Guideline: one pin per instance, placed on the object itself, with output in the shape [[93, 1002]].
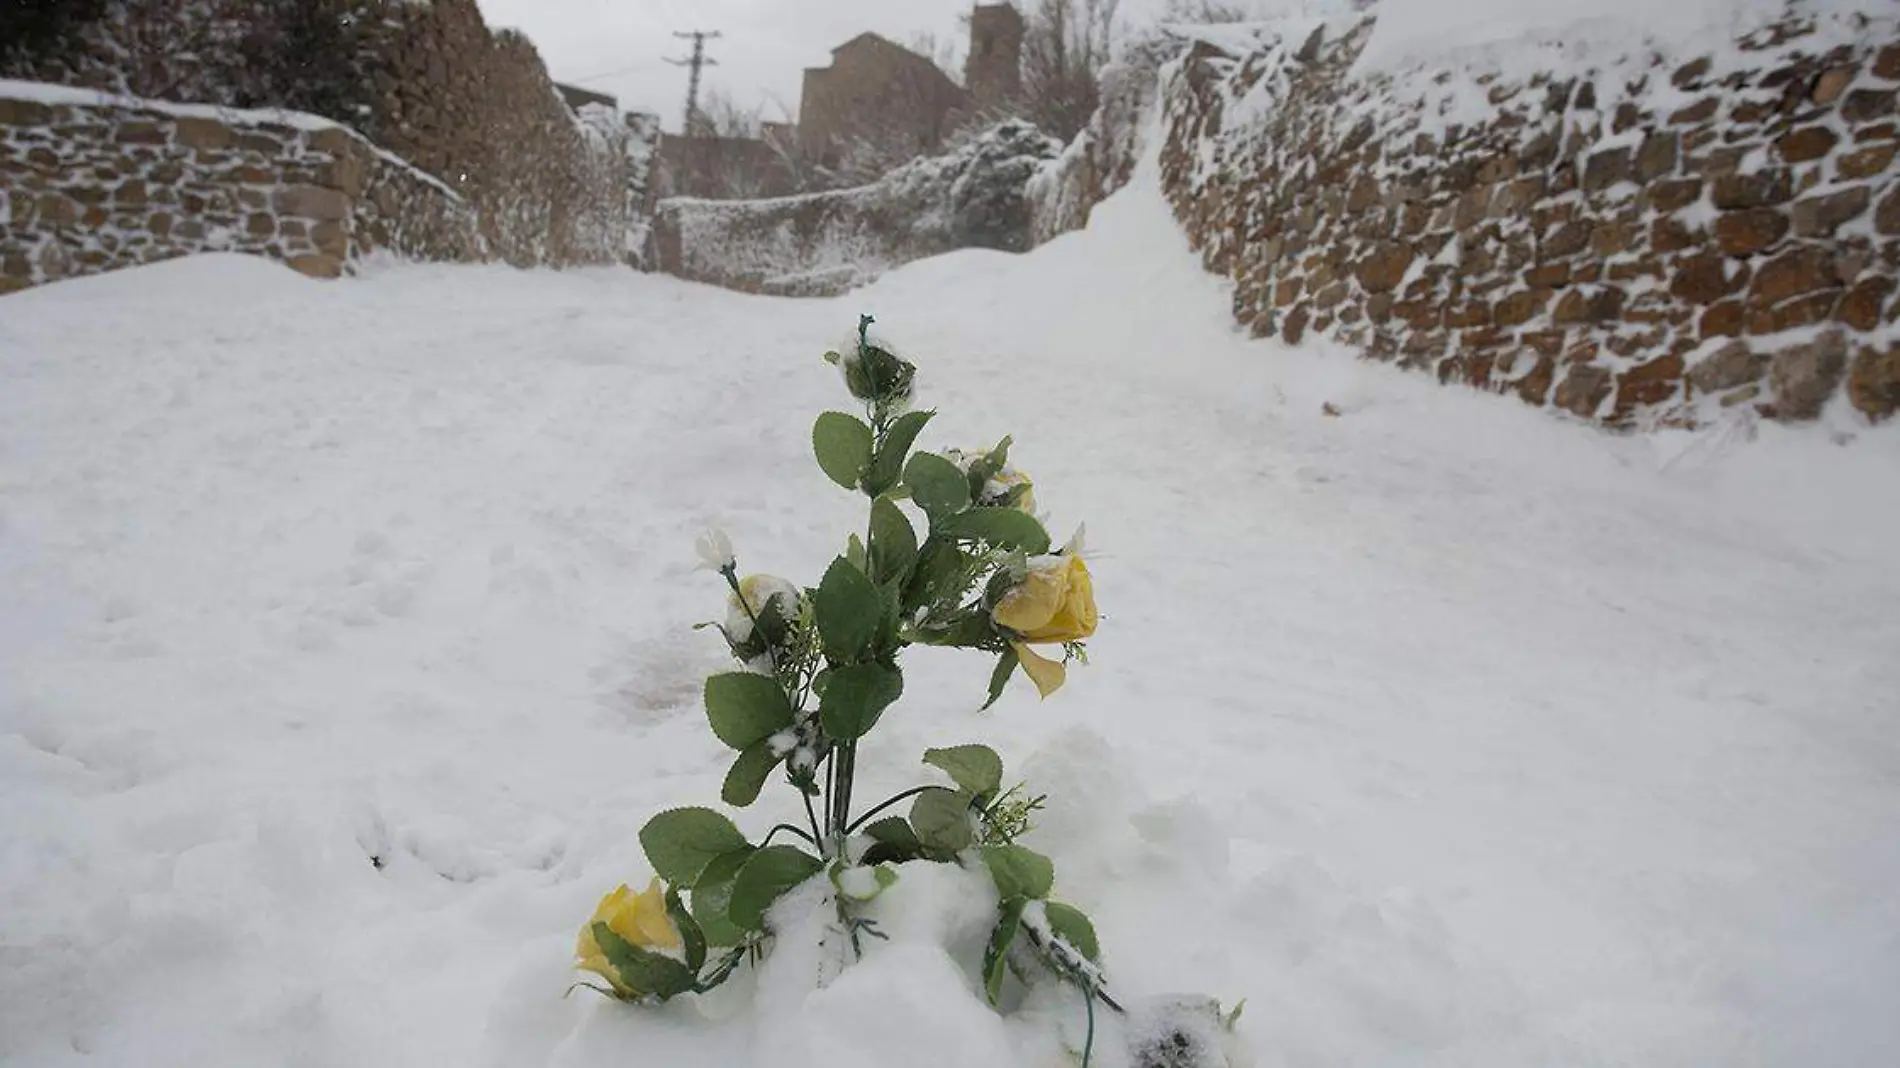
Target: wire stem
[[1088, 1045], [866, 818], [786, 827]]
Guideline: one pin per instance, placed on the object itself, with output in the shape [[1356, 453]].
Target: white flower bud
[[715, 550]]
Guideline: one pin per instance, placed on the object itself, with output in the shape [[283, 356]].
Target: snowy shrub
[[819, 667]]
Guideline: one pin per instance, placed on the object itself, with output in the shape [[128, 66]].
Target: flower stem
[[811, 817], [1088, 1044], [866, 818], [786, 827], [847, 771], [831, 793]]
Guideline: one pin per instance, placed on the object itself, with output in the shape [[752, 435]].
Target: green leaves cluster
[[733, 883]]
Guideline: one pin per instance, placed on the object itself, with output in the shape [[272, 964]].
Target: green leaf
[[938, 575], [892, 841], [745, 708], [854, 554], [641, 970], [941, 819], [692, 939], [892, 830], [937, 485], [893, 541], [986, 467], [1005, 667], [748, 774], [976, 768], [843, 445], [849, 610], [856, 696], [767, 874], [1073, 927], [996, 954], [1020, 872], [680, 842], [712, 898], [888, 465], [1006, 528]]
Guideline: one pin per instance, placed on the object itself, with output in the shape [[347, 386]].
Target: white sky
[[766, 47]]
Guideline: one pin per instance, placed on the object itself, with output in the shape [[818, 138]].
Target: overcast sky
[[620, 46]]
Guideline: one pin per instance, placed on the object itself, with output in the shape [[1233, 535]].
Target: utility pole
[[697, 60]]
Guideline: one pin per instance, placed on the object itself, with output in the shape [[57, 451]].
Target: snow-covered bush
[[819, 667], [825, 243]]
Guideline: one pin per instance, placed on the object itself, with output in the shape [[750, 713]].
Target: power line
[[698, 59], [617, 71]]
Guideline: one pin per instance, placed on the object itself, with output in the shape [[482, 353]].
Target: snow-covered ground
[[1443, 731]]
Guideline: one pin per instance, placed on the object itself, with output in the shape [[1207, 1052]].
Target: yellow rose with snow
[[759, 591], [1054, 603], [998, 487], [639, 919], [1004, 482]]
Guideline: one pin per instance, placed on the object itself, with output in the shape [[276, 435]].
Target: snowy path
[[1536, 746]]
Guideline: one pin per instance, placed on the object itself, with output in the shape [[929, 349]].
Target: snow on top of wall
[[70, 96], [1520, 37], [1444, 57], [1416, 33]]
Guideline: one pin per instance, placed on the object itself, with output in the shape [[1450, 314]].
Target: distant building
[[875, 95], [874, 88], [993, 71]]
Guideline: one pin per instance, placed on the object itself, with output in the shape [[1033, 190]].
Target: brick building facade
[[993, 71], [876, 89]]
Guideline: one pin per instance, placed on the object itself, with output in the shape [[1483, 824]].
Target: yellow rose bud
[[1055, 602], [1000, 484], [639, 919], [1008, 479], [758, 590]]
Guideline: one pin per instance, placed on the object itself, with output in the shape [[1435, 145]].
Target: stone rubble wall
[[426, 79], [477, 109], [1650, 242], [90, 182], [822, 244]]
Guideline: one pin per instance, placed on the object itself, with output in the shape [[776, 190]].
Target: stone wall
[[428, 81], [90, 182], [724, 168], [477, 109], [1657, 240], [826, 243]]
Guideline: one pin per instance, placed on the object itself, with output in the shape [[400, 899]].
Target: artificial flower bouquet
[[818, 669]]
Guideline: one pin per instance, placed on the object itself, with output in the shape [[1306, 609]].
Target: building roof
[[869, 40], [867, 37], [578, 98]]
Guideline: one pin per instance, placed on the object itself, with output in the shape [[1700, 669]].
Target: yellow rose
[[759, 591], [1055, 602], [1000, 484], [640, 919], [1008, 479]]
